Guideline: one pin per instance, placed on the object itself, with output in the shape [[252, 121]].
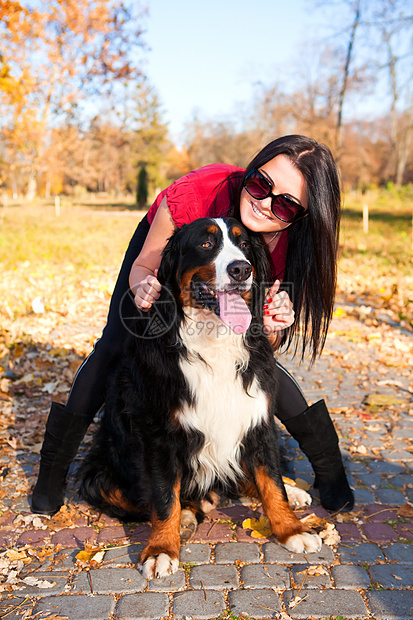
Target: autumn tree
[[51, 58]]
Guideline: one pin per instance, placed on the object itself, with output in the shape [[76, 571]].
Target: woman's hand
[[278, 310], [147, 292]]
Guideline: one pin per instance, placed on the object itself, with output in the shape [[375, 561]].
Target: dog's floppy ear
[[168, 272]]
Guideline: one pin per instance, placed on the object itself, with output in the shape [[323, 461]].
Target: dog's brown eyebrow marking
[[237, 231], [212, 229]]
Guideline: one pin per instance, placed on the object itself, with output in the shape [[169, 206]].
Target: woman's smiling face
[[285, 179]]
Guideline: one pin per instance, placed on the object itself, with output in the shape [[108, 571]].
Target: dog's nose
[[239, 270]]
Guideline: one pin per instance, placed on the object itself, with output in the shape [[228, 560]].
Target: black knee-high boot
[[64, 432], [315, 432]]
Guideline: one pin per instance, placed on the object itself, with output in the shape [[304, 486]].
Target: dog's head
[[215, 265]]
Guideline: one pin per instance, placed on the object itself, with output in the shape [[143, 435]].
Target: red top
[[207, 192]]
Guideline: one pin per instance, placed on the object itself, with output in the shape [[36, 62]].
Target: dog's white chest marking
[[223, 411]]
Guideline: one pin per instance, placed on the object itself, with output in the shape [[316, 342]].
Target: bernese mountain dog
[[191, 406]]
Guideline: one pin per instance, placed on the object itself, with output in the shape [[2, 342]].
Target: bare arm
[[142, 279]]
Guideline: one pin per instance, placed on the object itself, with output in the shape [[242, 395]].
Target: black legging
[[88, 391]]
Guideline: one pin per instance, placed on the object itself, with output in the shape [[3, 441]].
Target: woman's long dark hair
[[311, 264]]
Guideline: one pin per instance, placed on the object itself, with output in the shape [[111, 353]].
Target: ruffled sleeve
[[193, 196]]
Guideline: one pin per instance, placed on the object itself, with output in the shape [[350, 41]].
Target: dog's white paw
[[303, 543], [297, 498], [159, 566]]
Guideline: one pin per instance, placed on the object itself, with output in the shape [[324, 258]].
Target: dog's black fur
[[141, 454]]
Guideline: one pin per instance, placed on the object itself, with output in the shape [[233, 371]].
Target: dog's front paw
[[297, 498], [159, 566], [303, 543]]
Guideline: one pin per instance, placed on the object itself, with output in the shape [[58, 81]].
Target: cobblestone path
[[224, 572]]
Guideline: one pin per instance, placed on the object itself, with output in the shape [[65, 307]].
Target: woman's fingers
[[147, 292], [278, 309]]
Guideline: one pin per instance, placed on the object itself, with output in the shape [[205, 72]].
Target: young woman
[[289, 194]]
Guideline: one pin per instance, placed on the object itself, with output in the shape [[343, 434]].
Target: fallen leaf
[[406, 510], [302, 484], [314, 522], [330, 535], [90, 554], [38, 583], [317, 570], [260, 528], [383, 400]]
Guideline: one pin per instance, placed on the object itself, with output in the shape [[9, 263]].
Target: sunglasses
[[283, 207]]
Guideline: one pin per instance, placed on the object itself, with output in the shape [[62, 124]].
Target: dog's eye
[[243, 245], [207, 245]]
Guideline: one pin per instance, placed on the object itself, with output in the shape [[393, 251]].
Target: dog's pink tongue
[[234, 312]]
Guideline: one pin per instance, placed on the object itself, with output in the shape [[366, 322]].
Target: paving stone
[[35, 538], [347, 576], [303, 579], [363, 496], [236, 512], [370, 480], [214, 576], [121, 556], [356, 467], [397, 455], [386, 467], [145, 606], [140, 534], [254, 603], [390, 496], [403, 433], [170, 583], [116, 534], [213, 532], [349, 532], [233, 552], [324, 556], [74, 537], [58, 579], [80, 607], [108, 581], [20, 605], [195, 554], [302, 466], [196, 604], [405, 530], [392, 575], [399, 552], [379, 513], [391, 604], [326, 603], [7, 518], [275, 554], [62, 560], [6, 538], [265, 576], [401, 480], [359, 554], [379, 532]]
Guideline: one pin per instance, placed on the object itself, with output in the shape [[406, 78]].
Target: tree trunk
[[31, 187]]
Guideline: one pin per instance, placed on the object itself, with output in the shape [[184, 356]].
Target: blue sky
[[205, 57]]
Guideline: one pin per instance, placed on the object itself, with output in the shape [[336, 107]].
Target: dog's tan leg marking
[[115, 498], [285, 524], [160, 557]]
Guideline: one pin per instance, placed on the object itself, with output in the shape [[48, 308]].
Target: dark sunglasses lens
[[257, 186], [285, 209]]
